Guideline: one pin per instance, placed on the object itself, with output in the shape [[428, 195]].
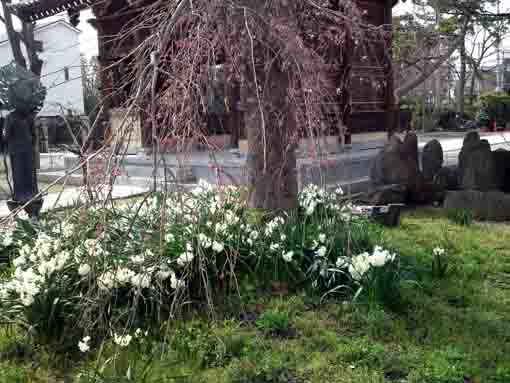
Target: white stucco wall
[[61, 49]]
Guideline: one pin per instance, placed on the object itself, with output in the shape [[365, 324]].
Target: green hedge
[[495, 107]]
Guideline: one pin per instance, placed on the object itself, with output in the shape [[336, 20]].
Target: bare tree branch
[[407, 87]]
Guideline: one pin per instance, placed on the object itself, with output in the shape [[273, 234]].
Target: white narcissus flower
[[380, 257], [359, 266], [25, 250], [164, 274], [7, 239], [321, 252], [138, 258], [204, 241], [221, 228], [83, 345], [122, 340], [139, 333], [287, 257], [322, 238], [283, 237], [218, 247], [176, 283], [68, 230], [185, 258], [341, 263], [21, 260], [106, 281], [169, 237], [141, 281], [438, 251], [123, 276], [26, 283], [362, 263], [311, 208], [231, 218], [274, 247], [84, 269]]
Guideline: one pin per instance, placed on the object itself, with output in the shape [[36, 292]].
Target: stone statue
[[25, 97]]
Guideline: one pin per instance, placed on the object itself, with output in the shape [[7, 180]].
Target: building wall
[[61, 72]]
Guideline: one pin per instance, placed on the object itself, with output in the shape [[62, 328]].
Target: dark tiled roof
[[33, 10]]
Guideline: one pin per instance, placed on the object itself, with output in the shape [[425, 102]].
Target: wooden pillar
[[390, 103], [346, 98]]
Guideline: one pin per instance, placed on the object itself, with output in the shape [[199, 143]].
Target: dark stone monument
[[501, 159], [396, 163], [25, 96], [488, 205], [476, 164], [447, 179], [432, 159]]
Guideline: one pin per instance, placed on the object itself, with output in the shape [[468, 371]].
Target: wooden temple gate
[[368, 102]]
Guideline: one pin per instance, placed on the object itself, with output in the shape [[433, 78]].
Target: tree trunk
[[462, 80], [472, 86], [271, 160], [270, 123]]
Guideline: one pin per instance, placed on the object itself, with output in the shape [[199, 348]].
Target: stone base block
[[489, 205]]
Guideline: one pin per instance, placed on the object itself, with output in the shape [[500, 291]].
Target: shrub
[[496, 106], [101, 273], [274, 322]]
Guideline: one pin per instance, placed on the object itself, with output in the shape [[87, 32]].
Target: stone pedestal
[[125, 129], [489, 205]]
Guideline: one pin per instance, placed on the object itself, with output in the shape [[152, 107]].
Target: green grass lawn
[[454, 329]]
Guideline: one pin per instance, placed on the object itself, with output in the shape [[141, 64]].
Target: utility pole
[[498, 57]]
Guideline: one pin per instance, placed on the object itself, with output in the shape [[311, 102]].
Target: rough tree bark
[[271, 157], [271, 160]]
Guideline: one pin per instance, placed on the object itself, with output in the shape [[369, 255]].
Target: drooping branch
[[283, 54]]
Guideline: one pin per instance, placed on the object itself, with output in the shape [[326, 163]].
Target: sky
[[88, 37]]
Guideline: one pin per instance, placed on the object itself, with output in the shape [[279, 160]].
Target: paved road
[[75, 196], [350, 166]]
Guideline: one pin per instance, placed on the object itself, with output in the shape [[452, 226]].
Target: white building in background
[[61, 71]]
